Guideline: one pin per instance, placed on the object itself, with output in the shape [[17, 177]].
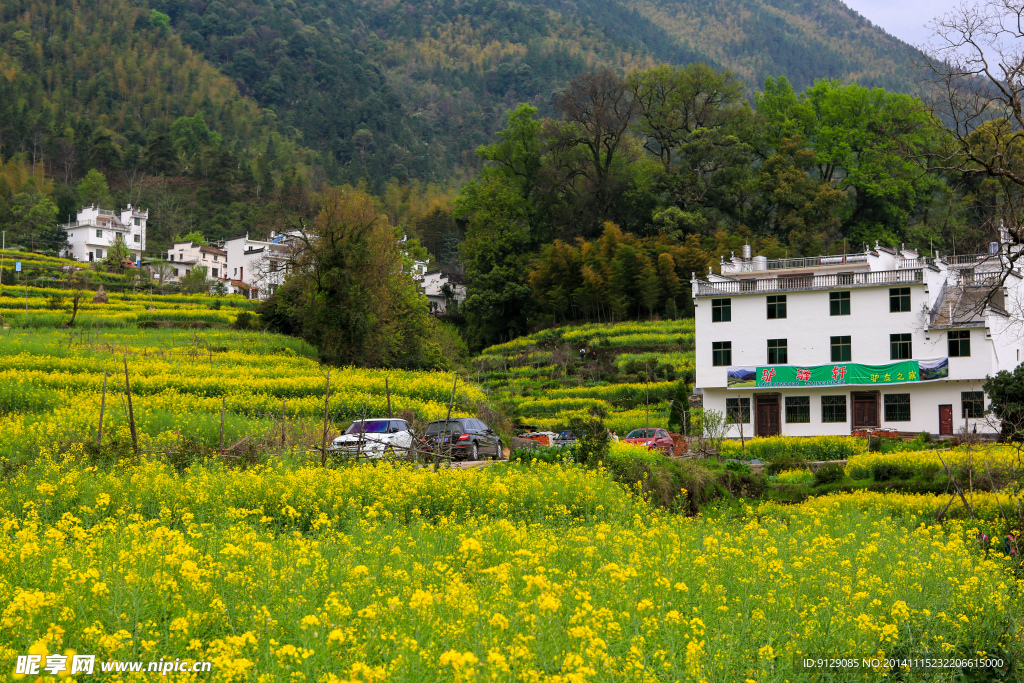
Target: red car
[[653, 438]]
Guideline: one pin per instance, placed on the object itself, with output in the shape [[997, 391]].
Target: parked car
[[565, 438], [653, 438], [467, 437], [375, 438]]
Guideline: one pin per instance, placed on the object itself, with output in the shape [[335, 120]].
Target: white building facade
[[184, 257], [91, 236], [831, 345], [258, 267], [442, 290]]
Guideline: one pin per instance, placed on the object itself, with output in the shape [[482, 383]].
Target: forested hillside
[[408, 90]]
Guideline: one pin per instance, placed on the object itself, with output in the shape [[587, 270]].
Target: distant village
[[241, 265]]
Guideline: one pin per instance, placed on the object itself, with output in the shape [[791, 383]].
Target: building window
[[137, 221], [272, 266], [840, 349], [175, 272], [204, 256], [737, 410], [972, 404], [99, 233], [215, 272], [721, 310], [833, 408], [721, 353], [959, 343], [900, 347], [899, 299], [897, 407], [776, 306], [236, 271], [99, 253], [798, 409], [172, 258], [138, 239], [839, 303], [777, 353]]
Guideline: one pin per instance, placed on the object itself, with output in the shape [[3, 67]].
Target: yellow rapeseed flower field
[[51, 384], [545, 573], [980, 461]]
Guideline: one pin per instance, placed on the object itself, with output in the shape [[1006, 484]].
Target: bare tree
[[975, 87]]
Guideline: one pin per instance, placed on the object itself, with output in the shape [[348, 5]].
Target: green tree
[[118, 253], [697, 122], [1006, 391], [679, 417], [35, 223], [349, 293], [498, 244], [195, 237], [195, 280], [93, 189]]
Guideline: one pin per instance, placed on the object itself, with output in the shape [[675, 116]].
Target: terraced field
[[637, 369]]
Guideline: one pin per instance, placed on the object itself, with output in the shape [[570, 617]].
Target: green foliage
[[118, 253], [829, 474], [679, 416], [1006, 391], [93, 190], [349, 294], [592, 440], [195, 237], [887, 471]]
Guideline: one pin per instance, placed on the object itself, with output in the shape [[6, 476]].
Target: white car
[[375, 438]]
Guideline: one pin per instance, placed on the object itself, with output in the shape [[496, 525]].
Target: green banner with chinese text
[[837, 374]]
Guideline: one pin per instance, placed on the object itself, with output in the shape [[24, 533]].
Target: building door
[[946, 420], [767, 416], [865, 409]]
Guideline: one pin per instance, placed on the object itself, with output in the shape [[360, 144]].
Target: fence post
[[103, 405], [131, 413], [282, 424], [327, 407]]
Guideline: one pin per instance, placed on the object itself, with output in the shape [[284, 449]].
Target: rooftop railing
[[94, 224], [806, 282], [969, 260]]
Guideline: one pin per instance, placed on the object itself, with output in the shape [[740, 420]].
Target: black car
[[467, 437]]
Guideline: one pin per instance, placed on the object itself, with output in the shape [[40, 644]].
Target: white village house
[[441, 289], [184, 257], [91, 236], [257, 267], [882, 339]]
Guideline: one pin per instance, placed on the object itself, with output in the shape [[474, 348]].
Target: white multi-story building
[[186, 256], [258, 267], [883, 339], [96, 230], [442, 289]]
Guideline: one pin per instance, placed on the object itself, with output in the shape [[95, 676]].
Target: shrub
[[829, 474], [886, 471], [787, 461], [243, 321]]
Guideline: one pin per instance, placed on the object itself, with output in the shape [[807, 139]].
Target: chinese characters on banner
[[837, 374]]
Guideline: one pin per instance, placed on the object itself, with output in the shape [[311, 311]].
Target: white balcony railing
[[93, 224], [801, 282], [969, 260]]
